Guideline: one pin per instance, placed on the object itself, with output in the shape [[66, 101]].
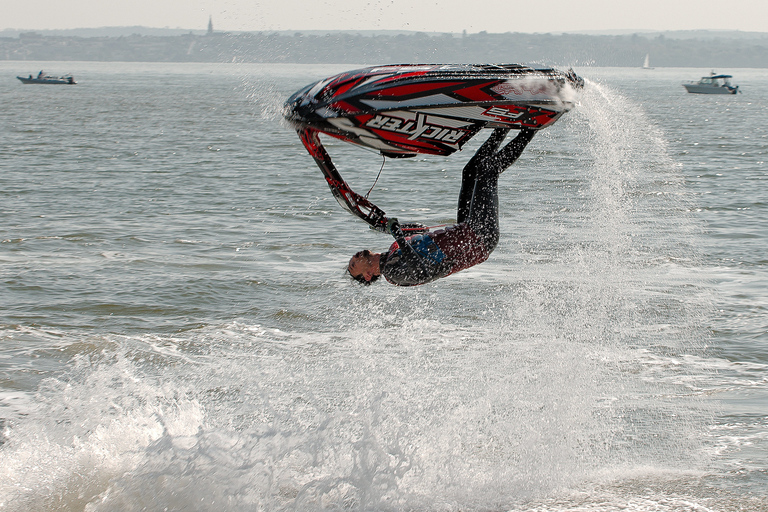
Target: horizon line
[[577, 31]]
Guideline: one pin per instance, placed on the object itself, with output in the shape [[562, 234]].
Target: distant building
[[210, 25]]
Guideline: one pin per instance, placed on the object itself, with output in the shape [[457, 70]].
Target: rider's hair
[[360, 279]]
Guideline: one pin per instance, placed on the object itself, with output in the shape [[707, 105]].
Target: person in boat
[[41, 74], [425, 257]]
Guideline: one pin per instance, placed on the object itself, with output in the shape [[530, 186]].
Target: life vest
[[453, 248], [461, 246]]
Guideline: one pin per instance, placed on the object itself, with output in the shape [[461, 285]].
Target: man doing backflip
[[428, 256]]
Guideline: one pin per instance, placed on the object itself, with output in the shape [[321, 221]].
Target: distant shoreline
[[152, 31], [716, 49]]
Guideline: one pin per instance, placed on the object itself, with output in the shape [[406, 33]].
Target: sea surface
[[177, 331]]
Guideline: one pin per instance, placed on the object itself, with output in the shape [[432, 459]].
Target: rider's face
[[362, 265]]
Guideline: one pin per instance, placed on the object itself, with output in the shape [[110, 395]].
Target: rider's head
[[364, 267]]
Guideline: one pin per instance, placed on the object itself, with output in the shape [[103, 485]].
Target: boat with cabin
[[712, 84], [42, 78]]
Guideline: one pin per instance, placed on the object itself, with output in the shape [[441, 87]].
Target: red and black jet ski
[[404, 110]]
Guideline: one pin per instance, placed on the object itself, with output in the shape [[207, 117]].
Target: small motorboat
[[42, 78], [712, 84]]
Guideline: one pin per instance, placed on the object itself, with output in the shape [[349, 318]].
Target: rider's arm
[[512, 151], [407, 267]]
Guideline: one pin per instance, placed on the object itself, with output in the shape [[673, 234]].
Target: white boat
[[712, 84], [647, 62]]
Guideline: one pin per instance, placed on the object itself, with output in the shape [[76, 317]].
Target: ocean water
[[177, 333]]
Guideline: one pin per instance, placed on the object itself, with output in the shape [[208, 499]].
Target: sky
[[455, 16]]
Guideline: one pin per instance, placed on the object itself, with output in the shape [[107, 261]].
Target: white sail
[[647, 62]]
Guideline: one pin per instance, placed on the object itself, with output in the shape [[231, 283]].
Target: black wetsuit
[[425, 257]]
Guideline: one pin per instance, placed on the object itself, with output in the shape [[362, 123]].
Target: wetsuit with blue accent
[[422, 258]]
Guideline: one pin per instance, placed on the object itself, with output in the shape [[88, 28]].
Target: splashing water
[[570, 372]]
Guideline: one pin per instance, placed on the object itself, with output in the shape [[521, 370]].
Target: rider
[[422, 258]]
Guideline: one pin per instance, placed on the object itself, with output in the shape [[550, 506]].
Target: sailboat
[[647, 62]]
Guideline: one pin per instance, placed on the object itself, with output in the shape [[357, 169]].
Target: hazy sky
[[421, 15]]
